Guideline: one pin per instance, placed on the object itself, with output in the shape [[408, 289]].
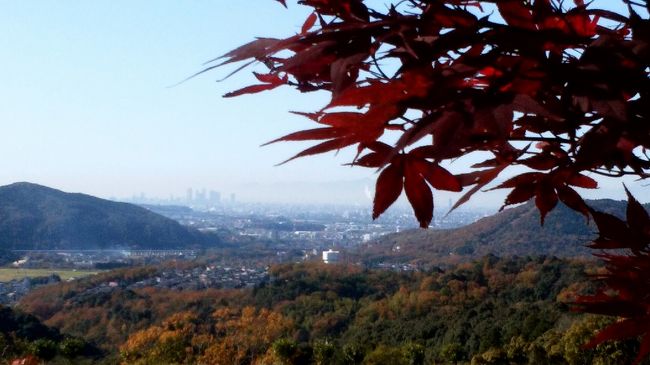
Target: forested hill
[[515, 231], [489, 311], [37, 217]]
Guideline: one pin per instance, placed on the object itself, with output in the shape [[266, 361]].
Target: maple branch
[[541, 139], [407, 120], [630, 2], [608, 173], [374, 60]]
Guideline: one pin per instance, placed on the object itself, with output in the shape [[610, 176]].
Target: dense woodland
[[489, 311]]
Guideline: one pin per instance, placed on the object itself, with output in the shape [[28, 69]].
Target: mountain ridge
[[33, 216], [512, 232]]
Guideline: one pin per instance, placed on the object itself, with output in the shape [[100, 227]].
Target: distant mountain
[[37, 217], [515, 231]]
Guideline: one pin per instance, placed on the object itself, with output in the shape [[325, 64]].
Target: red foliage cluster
[[626, 289], [559, 89]]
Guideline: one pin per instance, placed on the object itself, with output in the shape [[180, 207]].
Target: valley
[[385, 300]]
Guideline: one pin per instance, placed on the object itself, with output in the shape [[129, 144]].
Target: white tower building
[[331, 256]]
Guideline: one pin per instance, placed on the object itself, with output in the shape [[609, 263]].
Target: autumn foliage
[[476, 312], [558, 89]]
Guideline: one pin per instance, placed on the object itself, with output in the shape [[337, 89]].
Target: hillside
[[488, 311], [24, 336], [515, 231], [38, 217]]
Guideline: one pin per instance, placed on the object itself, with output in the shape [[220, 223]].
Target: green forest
[[489, 311]]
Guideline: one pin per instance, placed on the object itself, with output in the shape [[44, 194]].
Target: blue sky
[[85, 103]]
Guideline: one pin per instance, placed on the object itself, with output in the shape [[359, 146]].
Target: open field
[[8, 274]]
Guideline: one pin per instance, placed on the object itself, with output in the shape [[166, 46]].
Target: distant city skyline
[[361, 192]]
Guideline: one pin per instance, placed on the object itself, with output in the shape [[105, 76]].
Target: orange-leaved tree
[[557, 88]]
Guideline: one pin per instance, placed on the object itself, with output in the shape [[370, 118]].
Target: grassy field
[[8, 274]]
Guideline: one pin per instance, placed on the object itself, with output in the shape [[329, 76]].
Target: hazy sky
[[85, 104]]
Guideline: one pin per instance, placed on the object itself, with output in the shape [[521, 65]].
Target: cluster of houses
[[12, 291], [196, 278], [210, 276]]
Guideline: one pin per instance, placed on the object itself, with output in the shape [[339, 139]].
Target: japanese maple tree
[[558, 88]]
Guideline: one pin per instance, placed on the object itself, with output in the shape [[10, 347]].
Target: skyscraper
[[215, 197]]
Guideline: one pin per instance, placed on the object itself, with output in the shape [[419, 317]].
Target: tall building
[[330, 256], [190, 196], [215, 197], [199, 197]]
